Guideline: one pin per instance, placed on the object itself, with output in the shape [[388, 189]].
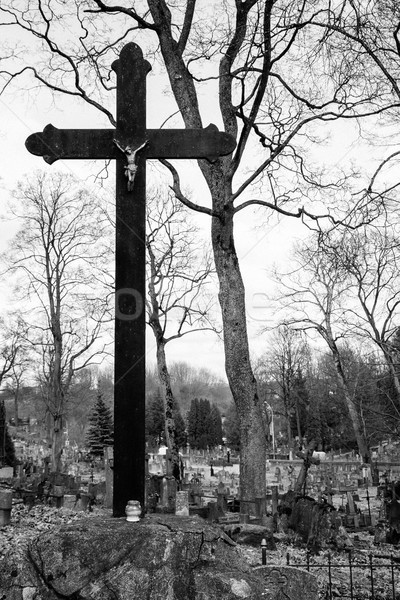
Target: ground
[[27, 524]]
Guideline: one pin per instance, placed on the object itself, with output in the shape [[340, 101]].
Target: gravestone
[[6, 473], [288, 583], [182, 503], [351, 510], [69, 501], [5, 507], [278, 475], [168, 493]]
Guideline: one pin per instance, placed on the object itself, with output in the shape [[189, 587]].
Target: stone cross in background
[[307, 456], [130, 144]]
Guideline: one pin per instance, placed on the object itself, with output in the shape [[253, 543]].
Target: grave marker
[[130, 144], [288, 583], [182, 503]]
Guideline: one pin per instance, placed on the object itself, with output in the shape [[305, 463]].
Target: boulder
[[101, 558]]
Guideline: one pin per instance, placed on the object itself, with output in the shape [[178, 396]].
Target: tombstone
[[221, 489], [6, 473], [222, 503], [58, 493], [278, 475], [350, 507], [5, 507], [168, 494], [84, 502], [195, 493], [182, 504], [351, 510], [288, 583], [69, 501]]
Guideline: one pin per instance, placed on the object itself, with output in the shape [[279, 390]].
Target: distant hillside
[[189, 383]]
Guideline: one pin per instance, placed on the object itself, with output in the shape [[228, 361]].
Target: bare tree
[[177, 304], [54, 259], [372, 259], [284, 71], [12, 341], [19, 374], [369, 33], [278, 370], [316, 299]]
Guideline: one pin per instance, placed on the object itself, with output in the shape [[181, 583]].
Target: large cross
[[127, 145]]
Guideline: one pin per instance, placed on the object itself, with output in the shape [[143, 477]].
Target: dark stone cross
[[130, 144], [308, 459]]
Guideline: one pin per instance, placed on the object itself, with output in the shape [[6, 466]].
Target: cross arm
[[53, 143]]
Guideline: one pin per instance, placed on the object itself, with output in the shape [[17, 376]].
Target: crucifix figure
[[132, 159], [130, 144]]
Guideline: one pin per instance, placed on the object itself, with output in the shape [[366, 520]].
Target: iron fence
[[359, 576]]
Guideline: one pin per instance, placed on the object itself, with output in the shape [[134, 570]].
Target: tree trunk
[[289, 431], [237, 363], [57, 444], [231, 289], [16, 405], [169, 406], [298, 419], [162, 368], [2, 434], [57, 398], [362, 443]]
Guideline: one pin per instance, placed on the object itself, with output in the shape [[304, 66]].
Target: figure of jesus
[[133, 159]]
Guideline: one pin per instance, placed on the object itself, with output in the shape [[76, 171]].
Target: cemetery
[[128, 518], [357, 532]]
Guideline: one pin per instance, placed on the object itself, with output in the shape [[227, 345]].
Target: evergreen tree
[[101, 430], [203, 439], [155, 421], [216, 427], [180, 429], [193, 423], [204, 424], [11, 459]]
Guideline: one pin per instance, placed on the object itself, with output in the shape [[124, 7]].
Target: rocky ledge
[[160, 557]]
